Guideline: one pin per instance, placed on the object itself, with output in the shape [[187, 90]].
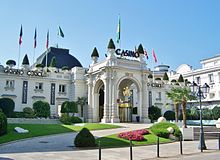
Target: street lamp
[[201, 93]]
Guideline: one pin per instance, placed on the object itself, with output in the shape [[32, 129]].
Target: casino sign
[[127, 53]]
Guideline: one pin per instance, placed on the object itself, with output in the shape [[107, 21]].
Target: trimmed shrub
[[207, 114], [84, 139], [169, 115], [3, 124], [41, 109], [28, 112], [69, 107], [216, 112], [160, 129], [75, 119], [154, 113], [194, 113], [65, 119], [18, 115], [7, 105]]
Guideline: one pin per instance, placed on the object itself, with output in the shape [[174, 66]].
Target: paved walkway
[[67, 152], [60, 142]]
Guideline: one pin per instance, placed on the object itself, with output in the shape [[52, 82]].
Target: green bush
[[7, 105], [216, 112], [169, 115], [193, 113], [160, 129], [154, 113], [75, 119], [69, 107], [28, 112], [18, 114], [84, 139], [41, 109], [65, 119], [207, 114], [3, 124]]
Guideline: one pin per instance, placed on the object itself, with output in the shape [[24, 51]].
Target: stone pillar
[[105, 118], [90, 110], [114, 113], [95, 107], [144, 116]]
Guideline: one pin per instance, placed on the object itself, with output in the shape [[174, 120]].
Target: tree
[[154, 113], [69, 107], [7, 105], [81, 101], [174, 96], [184, 95]]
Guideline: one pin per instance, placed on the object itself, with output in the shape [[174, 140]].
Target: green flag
[[118, 31], [60, 32]]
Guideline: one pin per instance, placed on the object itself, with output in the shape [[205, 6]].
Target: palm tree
[[174, 96], [184, 95], [81, 101]]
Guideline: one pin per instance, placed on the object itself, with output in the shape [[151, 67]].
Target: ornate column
[[144, 116], [114, 113], [90, 110], [105, 118]]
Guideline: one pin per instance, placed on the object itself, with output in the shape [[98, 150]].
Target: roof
[[63, 58], [217, 56]]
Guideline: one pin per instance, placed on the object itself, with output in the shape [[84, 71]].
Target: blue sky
[[179, 31]]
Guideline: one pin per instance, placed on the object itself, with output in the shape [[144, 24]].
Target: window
[[62, 88], [38, 86], [211, 78], [10, 83], [159, 96], [198, 80]]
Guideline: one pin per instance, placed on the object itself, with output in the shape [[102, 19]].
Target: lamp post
[[201, 93]]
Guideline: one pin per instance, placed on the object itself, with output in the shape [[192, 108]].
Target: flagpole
[[33, 57], [19, 52]]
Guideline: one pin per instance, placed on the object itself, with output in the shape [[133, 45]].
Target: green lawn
[[47, 129], [115, 141]]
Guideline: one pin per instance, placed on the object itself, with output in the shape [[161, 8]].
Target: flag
[[119, 31], [60, 32], [35, 38], [154, 56], [145, 53], [20, 37], [47, 43]]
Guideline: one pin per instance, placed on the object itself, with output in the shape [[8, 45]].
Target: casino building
[[119, 88]]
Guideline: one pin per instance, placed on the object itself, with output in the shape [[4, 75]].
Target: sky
[[178, 31]]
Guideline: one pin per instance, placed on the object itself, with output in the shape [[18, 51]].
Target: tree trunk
[[184, 113], [176, 111]]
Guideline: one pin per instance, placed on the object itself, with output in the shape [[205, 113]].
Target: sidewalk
[[60, 147], [167, 151]]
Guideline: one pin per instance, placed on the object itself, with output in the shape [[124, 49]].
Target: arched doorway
[[98, 101], [101, 103], [128, 102]]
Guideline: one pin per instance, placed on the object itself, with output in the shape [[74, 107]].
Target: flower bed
[[136, 135]]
